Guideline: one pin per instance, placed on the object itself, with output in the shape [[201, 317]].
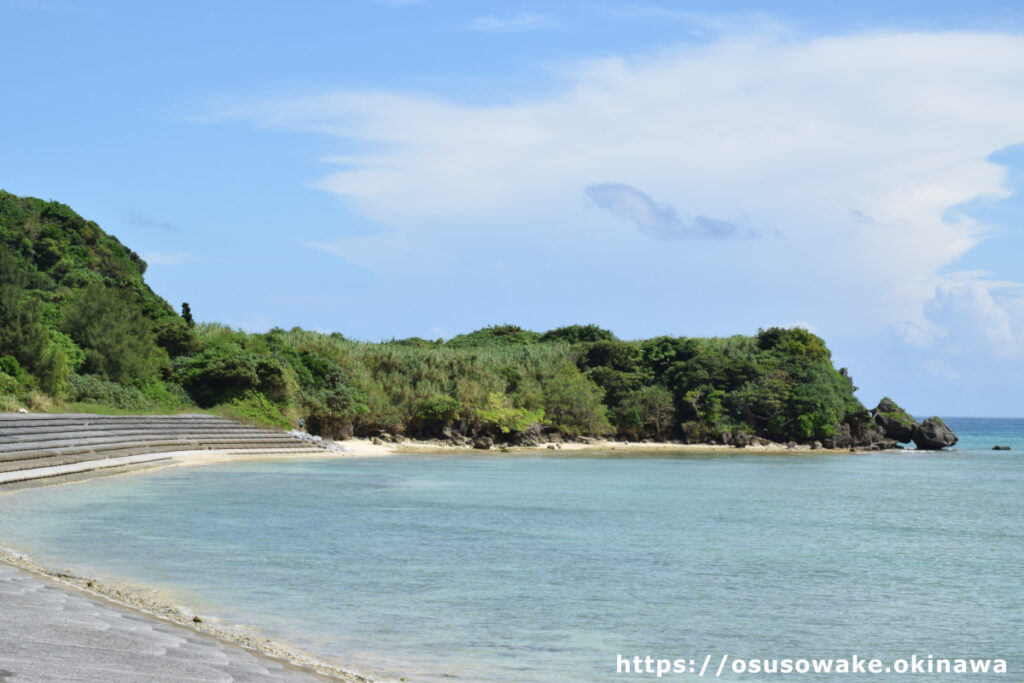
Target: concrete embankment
[[46, 448]]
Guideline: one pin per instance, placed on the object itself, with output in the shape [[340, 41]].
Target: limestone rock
[[895, 423], [841, 439], [529, 437], [934, 434]]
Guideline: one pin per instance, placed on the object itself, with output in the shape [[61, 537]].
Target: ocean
[[560, 567]]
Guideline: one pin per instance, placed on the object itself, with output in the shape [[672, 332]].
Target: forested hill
[[79, 328]]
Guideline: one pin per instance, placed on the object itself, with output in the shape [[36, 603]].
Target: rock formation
[[933, 434], [895, 423]]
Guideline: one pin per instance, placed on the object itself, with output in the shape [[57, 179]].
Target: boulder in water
[[933, 434]]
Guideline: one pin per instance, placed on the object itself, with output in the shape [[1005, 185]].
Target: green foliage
[[436, 413], [256, 409], [220, 373], [24, 335], [496, 335], [176, 337], [117, 339], [646, 412], [577, 334], [78, 321], [898, 414], [94, 389], [573, 404], [499, 413]]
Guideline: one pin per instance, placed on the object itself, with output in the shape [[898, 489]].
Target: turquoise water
[[536, 568]]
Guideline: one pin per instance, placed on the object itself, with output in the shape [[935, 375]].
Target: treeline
[[80, 328]]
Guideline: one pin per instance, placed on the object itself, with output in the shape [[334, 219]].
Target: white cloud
[[519, 22], [167, 258], [854, 148], [972, 316]]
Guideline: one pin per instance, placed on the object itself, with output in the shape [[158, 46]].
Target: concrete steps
[[36, 446]]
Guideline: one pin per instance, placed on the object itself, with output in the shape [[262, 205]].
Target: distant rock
[[483, 443], [742, 439], [869, 435], [529, 437], [895, 423], [1000, 448], [841, 439], [933, 434]]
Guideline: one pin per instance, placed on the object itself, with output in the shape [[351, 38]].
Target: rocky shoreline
[[886, 427]]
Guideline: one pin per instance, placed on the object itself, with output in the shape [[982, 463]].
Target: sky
[[397, 168]]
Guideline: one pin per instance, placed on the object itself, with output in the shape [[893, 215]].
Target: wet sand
[[54, 632]]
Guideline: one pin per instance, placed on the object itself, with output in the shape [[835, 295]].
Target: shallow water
[[541, 568]]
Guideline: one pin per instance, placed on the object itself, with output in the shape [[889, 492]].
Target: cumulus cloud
[[657, 220], [973, 315], [854, 147]]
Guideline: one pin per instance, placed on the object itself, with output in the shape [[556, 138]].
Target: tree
[[118, 341], [22, 334], [648, 411], [186, 314]]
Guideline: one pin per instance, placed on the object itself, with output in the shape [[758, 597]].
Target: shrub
[[95, 389], [256, 409]]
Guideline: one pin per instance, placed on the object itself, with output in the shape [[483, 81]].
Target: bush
[[572, 403], [499, 415], [646, 412], [94, 389], [256, 409]]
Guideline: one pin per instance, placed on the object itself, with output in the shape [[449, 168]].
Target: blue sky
[[390, 169]]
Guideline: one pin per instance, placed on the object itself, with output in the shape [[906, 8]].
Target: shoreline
[[136, 601]]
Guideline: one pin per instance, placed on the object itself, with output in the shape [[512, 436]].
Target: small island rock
[[933, 434]]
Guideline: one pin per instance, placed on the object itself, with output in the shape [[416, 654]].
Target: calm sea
[[537, 568]]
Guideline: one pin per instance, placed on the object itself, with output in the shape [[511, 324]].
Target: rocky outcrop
[[530, 437], [894, 422], [1000, 448], [483, 443], [933, 434], [841, 439]]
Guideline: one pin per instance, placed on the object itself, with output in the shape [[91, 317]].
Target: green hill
[[81, 329]]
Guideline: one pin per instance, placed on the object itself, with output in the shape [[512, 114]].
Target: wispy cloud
[[658, 220], [511, 24], [143, 221]]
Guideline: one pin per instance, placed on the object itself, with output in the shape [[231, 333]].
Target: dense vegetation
[[80, 328]]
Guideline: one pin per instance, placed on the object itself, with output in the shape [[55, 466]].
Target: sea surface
[[534, 568]]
